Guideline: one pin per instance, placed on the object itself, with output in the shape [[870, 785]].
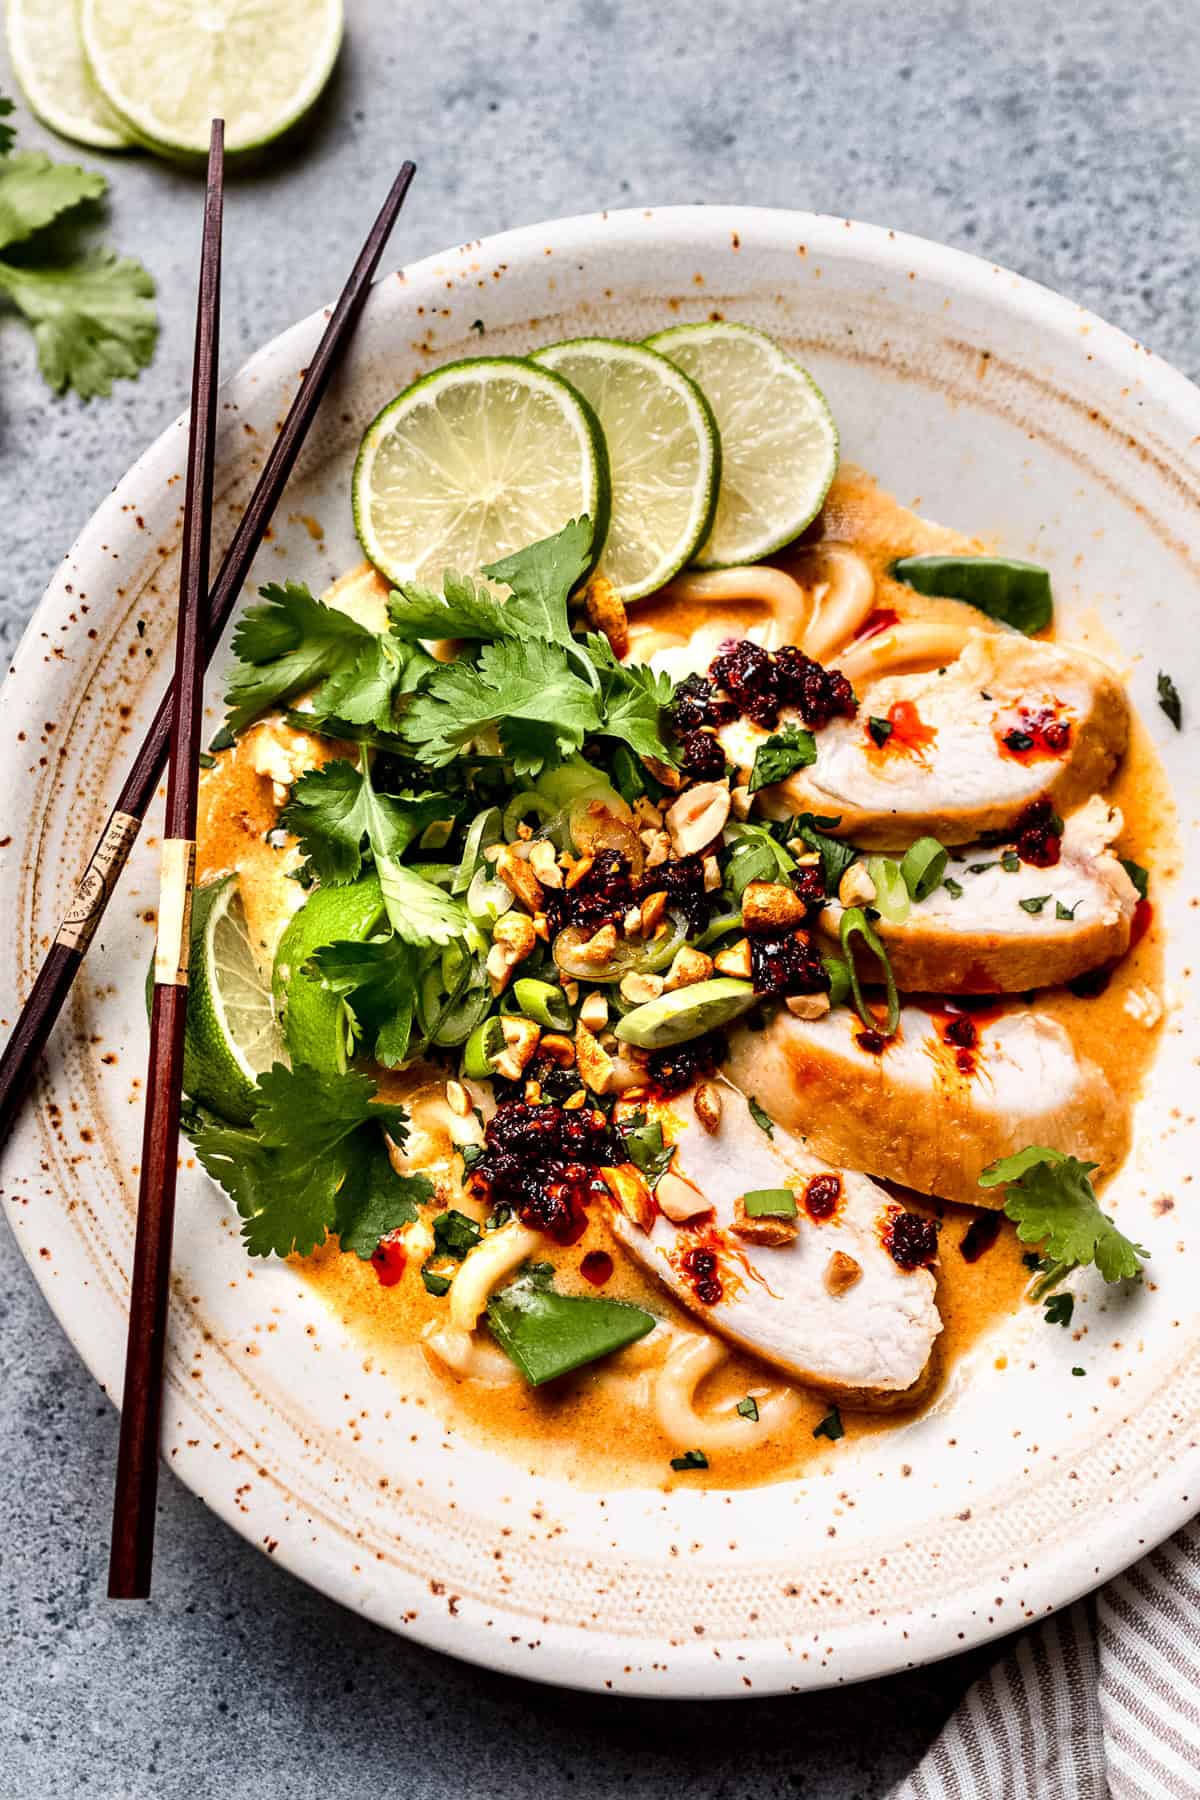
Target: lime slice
[[169, 69], [779, 444], [664, 457], [48, 61], [231, 1035], [474, 462], [313, 1018]]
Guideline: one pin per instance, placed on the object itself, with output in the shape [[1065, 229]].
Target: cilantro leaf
[[1140, 877], [461, 610], [633, 697], [1060, 1309], [334, 810], [289, 643], [308, 1163], [379, 980], [512, 687], [761, 1117], [1051, 1200], [830, 1426], [454, 1234], [757, 856], [781, 755], [836, 856], [542, 576], [647, 1148], [363, 692], [691, 1459], [381, 1201], [35, 191], [92, 319]]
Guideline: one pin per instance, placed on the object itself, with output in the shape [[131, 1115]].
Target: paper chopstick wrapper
[[175, 912]]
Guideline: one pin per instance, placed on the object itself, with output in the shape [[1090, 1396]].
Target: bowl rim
[[1110, 1544]]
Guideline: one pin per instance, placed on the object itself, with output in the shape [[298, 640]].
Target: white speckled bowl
[[986, 402]]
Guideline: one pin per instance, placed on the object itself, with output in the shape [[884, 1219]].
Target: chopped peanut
[[544, 863], [661, 771], [646, 813], [657, 852], [706, 1104], [606, 612], [698, 817], [578, 870], [631, 924], [679, 1199], [519, 879], [771, 907], [599, 947], [631, 1191], [807, 1006], [771, 1232], [595, 1064], [653, 908], [558, 1048], [712, 874], [520, 1041], [571, 990], [735, 961], [741, 800], [640, 988], [841, 1273], [856, 887], [458, 1100], [516, 933], [574, 1101], [690, 965], [594, 1011]]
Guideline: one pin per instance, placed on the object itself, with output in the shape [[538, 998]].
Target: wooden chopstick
[[40, 1011], [137, 1457]]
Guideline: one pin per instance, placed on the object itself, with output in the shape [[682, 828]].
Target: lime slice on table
[[664, 457], [169, 69], [474, 462], [779, 444], [231, 1035], [313, 1018], [48, 61]]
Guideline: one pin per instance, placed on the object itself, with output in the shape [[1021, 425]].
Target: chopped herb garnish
[[1168, 699], [1010, 862], [1140, 877], [1034, 903], [206, 761], [748, 1408], [762, 1119], [1031, 1259], [770, 1203], [547, 1334], [1050, 1199], [691, 1459], [224, 740], [479, 326], [438, 1285], [1016, 592], [1079, 1371], [470, 1154], [978, 868], [813, 830], [783, 753], [1059, 1309], [953, 888], [831, 1426], [1064, 912], [880, 730], [647, 1149], [1018, 740], [454, 1234]]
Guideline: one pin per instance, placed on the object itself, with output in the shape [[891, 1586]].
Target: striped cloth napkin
[[1101, 1700]]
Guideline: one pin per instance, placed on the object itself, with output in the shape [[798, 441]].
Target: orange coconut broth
[[572, 1428]]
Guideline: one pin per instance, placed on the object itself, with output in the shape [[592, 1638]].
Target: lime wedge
[[664, 457], [169, 69], [313, 1018], [48, 61], [231, 1035], [474, 462], [779, 445]]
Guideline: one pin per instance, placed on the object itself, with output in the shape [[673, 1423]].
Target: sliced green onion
[[839, 978], [856, 924], [660, 952], [542, 1001], [769, 1203], [923, 867], [436, 834], [891, 891], [483, 831], [517, 811], [487, 897], [718, 927]]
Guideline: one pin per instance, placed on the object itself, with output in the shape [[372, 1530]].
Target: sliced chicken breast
[[962, 750], [828, 1303], [933, 1108], [1005, 929]]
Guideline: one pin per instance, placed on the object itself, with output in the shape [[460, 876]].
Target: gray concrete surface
[[1063, 141]]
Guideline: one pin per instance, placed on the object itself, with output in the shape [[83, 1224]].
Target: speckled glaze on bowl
[[977, 397]]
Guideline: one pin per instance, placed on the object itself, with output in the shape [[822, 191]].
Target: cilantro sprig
[[313, 1160], [91, 312], [1051, 1200]]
